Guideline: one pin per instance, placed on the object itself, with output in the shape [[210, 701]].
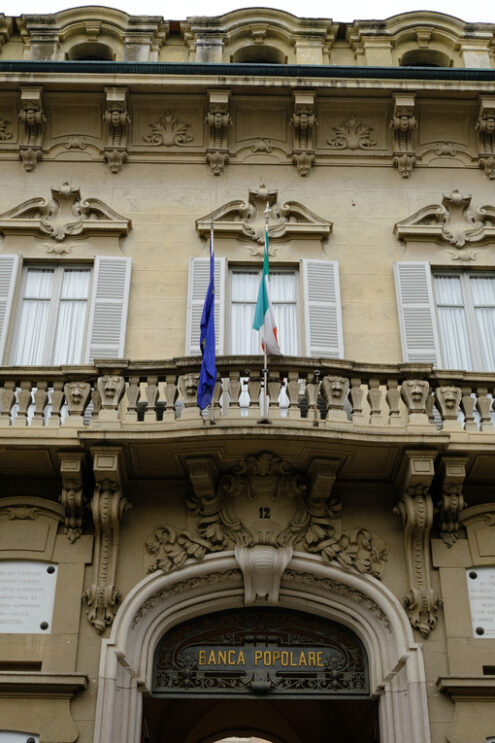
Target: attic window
[[259, 54], [425, 58], [91, 52]]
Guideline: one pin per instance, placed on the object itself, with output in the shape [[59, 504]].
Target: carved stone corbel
[[303, 123], [485, 126], [451, 502], [117, 119], [107, 507], [416, 511], [32, 117], [403, 124], [218, 120], [72, 495]]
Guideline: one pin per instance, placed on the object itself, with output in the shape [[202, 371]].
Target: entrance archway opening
[[260, 674]]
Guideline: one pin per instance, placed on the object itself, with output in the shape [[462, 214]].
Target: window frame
[[258, 267], [473, 339], [53, 314]]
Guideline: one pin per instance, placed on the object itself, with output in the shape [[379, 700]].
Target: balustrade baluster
[[274, 389], [467, 406], [8, 400], [24, 400], [483, 405], [234, 393], [133, 394], [356, 394], [151, 399], [56, 403], [312, 391], [254, 389], [393, 400], [292, 390], [170, 398], [374, 397], [40, 396]]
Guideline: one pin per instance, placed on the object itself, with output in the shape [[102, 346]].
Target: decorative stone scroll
[[117, 120], [65, 214], [218, 121], [72, 496], [246, 220], [263, 504], [303, 123], [403, 124], [485, 126], [168, 131], [260, 651], [453, 222], [33, 118], [451, 502], [352, 134], [107, 507], [416, 511]]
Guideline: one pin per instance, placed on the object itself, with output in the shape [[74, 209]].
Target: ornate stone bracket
[[246, 220], [116, 118], [218, 120], [264, 507], [33, 119], [65, 214], [403, 124], [107, 507], [485, 126], [416, 511], [303, 123], [451, 502], [72, 496], [453, 222]]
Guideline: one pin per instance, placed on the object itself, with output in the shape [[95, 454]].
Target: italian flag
[[264, 318]]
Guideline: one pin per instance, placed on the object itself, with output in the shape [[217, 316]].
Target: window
[[306, 297], [447, 319], [52, 316], [466, 320], [244, 286], [63, 313]]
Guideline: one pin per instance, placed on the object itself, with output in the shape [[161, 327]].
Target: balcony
[[325, 407]]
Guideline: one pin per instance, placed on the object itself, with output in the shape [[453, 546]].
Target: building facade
[[313, 557]]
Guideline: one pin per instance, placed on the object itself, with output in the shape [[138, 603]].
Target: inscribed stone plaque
[[27, 595], [481, 589]]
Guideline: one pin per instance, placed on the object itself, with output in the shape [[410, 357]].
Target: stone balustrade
[[308, 392]]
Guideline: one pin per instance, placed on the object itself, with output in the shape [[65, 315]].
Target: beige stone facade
[[358, 487]]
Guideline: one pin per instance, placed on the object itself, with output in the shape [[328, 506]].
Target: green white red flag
[[264, 317]]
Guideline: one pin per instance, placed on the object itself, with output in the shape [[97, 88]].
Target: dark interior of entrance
[[278, 721]]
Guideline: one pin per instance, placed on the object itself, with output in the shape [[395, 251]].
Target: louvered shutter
[[199, 278], [9, 267], [322, 309], [108, 308], [417, 318]]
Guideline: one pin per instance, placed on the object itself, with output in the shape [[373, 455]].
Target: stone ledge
[[467, 687], [37, 684]]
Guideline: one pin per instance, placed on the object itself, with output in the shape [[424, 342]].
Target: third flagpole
[[265, 368]]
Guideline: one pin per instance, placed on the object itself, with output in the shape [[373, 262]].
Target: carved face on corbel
[[188, 384], [335, 389], [415, 392], [111, 388], [77, 395]]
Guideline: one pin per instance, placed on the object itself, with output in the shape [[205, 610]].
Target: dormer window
[[425, 58], [91, 52], [259, 54]]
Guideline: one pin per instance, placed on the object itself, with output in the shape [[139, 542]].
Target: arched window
[[91, 51], [259, 54], [425, 58]]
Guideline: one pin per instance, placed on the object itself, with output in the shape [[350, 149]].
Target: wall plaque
[[27, 595], [8, 736], [260, 651], [481, 589]]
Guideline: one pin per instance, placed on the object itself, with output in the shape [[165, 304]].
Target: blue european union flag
[[208, 375]]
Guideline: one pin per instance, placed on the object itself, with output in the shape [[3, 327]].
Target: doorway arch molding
[[360, 602]]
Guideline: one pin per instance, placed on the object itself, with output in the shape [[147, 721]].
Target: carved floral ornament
[[453, 221], [246, 219], [263, 500], [65, 214]]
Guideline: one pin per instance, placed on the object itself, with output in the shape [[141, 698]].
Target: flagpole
[[265, 369]]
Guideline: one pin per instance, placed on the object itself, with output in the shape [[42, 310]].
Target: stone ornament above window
[[241, 219], [453, 221], [65, 214]]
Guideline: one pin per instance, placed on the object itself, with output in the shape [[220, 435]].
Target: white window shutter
[[417, 318], [108, 308], [9, 268], [199, 278], [322, 309]]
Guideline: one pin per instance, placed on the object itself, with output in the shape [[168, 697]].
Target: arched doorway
[[358, 602], [268, 672]]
